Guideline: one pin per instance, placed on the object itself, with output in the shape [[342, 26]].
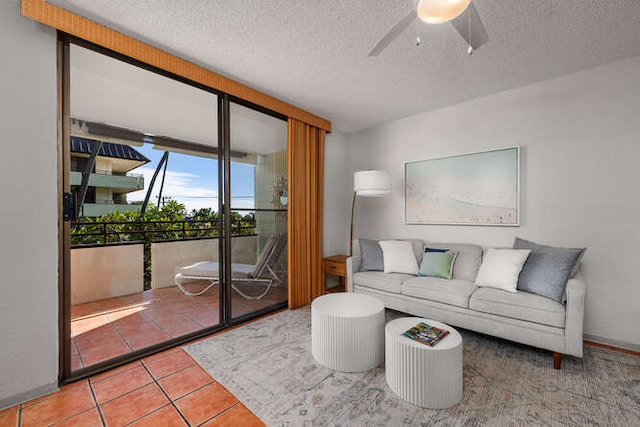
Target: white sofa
[[521, 317]]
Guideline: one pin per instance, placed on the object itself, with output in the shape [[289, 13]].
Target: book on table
[[426, 334]]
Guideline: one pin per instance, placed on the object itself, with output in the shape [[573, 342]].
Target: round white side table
[[347, 331], [429, 377]]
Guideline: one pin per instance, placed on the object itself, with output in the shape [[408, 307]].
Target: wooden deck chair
[[261, 272]]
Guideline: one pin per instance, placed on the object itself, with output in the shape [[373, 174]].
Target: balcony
[[123, 294], [110, 327], [129, 182]]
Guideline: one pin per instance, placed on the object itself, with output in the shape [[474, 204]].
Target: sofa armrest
[[574, 317], [353, 265]]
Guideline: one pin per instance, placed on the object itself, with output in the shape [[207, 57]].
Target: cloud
[[183, 187]]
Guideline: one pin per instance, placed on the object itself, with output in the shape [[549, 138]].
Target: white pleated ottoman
[[429, 377], [347, 331]]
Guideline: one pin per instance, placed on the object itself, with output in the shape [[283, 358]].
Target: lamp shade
[[371, 183], [439, 11]]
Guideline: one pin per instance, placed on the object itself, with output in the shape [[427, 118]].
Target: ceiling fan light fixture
[[439, 11]]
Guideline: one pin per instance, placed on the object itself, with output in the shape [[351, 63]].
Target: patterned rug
[[269, 367]]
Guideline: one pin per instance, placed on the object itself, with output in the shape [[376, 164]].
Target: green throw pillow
[[437, 264]]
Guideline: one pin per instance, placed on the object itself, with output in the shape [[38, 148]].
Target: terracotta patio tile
[[174, 362], [114, 371], [110, 304], [74, 347], [205, 403], [133, 318], [161, 355], [74, 385], [9, 417], [133, 405], [184, 327], [171, 318], [237, 415], [89, 418], [121, 383], [167, 416], [88, 324], [76, 363], [97, 354], [152, 335], [68, 387], [97, 337], [58, 406], [124, 313], [205, 318], [185, 381], [84, 309], [134, 329]]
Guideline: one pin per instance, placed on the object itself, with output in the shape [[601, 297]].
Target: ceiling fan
[[461, 13]]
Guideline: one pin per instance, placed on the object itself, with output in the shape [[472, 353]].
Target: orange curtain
[[306, 158]]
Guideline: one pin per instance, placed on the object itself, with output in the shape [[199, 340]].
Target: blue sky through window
[[193, 180]]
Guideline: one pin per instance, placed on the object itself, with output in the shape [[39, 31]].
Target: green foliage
[[169, 222]]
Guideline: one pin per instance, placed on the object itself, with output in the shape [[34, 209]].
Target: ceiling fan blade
[[472, 32], [394, 32]]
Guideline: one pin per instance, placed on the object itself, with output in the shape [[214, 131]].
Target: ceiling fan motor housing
[[439, 11]]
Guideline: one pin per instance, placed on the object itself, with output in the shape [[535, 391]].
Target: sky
[[193, 180]]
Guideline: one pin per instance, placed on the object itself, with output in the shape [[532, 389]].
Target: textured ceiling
[[313, 53]]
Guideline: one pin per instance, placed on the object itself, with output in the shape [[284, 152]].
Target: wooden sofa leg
[[557, 360]]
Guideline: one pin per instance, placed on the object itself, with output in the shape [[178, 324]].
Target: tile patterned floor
[[104, 329], [167, 389]]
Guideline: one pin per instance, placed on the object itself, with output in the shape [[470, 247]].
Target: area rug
[[268, 366]]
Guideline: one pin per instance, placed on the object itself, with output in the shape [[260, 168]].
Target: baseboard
[[612, 344], [27, 395]]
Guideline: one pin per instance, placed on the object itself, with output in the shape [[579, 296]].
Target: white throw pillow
[[398, 257], [500, 268]]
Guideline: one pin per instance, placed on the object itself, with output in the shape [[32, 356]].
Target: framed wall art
[[470, 189]]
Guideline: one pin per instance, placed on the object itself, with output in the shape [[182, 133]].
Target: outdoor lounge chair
[[261, 273]]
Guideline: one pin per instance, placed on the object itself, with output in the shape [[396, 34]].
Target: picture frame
[[481, 188]]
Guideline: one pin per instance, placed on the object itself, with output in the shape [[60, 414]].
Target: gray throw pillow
[[547, 269], [371, 253]]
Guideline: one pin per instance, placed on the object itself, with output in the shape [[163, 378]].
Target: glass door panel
[[258, 210], [143, 168]]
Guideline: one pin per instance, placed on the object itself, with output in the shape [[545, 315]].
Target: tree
[[169, 222]]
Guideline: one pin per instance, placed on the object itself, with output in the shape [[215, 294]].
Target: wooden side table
[[337, 266]]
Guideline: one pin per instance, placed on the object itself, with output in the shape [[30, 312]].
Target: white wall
[[106, 272], [580, 139], [338, 190], [28, 211]]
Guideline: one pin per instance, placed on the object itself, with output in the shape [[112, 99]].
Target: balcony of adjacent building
[[107, 191], [120, 182], [102, 172]]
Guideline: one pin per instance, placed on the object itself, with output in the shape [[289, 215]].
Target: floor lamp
[[371, 183]]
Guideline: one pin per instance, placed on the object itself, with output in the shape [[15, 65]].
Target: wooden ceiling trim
[[75, 25]]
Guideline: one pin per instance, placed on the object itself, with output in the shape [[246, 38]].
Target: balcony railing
[[113, 232], [131, 182], [107, 172]]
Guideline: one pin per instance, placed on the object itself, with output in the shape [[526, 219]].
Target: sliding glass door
[[176, 201], [257, 210]]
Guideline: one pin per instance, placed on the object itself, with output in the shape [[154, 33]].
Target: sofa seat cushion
[[453, 291], [521, 305], [390, 282]]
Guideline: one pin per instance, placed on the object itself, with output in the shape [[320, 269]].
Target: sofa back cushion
[[417, 244], [547, 269], [467, 262], [418, 248], [371, 254], [399, 257]]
